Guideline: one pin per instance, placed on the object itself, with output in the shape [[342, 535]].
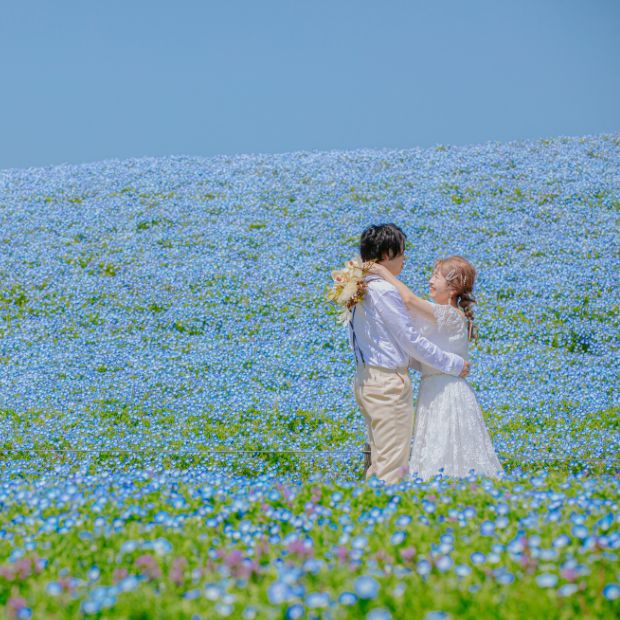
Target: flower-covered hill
[[178, 302], [178, 433]]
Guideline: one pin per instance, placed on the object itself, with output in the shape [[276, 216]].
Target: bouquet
[[349, 286]]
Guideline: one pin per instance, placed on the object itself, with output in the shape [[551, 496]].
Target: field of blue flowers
[[178, 432]]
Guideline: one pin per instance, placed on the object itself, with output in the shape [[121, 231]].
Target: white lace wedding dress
[[449, 431]]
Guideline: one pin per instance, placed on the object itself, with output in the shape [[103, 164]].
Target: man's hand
[[465, 370]]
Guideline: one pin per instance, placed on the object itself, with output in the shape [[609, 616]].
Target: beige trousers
[[386, 401]]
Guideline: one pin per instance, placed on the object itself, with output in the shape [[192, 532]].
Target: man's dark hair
[[382, 239]]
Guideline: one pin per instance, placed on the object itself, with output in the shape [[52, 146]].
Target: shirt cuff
[[460, 363]]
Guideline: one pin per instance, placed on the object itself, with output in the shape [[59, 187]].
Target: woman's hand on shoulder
[[378, 270]]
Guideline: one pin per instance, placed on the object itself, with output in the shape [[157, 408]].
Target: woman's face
[[439, 289]]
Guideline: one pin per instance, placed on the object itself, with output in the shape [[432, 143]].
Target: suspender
[[356, 347]]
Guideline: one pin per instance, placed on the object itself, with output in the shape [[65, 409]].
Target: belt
[[402, 369]]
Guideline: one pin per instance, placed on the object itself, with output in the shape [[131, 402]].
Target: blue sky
[[90, 80]]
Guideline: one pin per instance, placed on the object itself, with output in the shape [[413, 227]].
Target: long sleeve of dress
[[399, 324]]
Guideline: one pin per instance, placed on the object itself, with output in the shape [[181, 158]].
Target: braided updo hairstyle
[[461, 276]]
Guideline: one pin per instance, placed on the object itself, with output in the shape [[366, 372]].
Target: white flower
[[350, 288], [345, 316]]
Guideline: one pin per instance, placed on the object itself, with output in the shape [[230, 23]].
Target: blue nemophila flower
[[347, 598], [462, 570], [403, 521], [502, 522], [398, 537], [611, 591], [90, 607], [129, 583], [296, 611], [212, 591], [423, 567], [429, 506], [502, 508], [279, 592], [223, 609], [317, 599], [477, 557], [487, 528], [561, 541], [469, 512], [161, 546], [504, 577], [546, 580], [606, 522], [366, 587], [443, 563], [53, 588], [579, 531], [567, 589], [399, 589]]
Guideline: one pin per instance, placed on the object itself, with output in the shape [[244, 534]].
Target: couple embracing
[[391, 330]]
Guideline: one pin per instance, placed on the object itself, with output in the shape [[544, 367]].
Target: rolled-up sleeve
[[397, 321]]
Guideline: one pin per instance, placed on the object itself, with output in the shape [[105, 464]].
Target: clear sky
[[86, 80]]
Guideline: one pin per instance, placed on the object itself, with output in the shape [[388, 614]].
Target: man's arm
[[392, 309]]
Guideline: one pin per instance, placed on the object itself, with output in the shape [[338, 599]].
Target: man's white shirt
[[383, 333]]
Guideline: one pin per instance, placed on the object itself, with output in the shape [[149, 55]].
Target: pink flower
[[23, 567], [119, 573], [246, 569], [15, 603], [238, 565], [408, 553], [177, 571], [316, 494], [570, 574], [234, 558], [68, 583], [261, 548], [149, 566], [383, 556], [342, 553], [528, 562], [299, 548]]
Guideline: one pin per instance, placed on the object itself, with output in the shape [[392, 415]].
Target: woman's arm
[[416, 306]]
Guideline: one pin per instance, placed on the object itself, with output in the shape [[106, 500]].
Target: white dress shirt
[[383, 334]]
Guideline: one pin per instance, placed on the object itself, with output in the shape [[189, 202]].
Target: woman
[[450, 434]]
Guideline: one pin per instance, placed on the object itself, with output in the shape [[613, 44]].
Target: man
[[386, 342]]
